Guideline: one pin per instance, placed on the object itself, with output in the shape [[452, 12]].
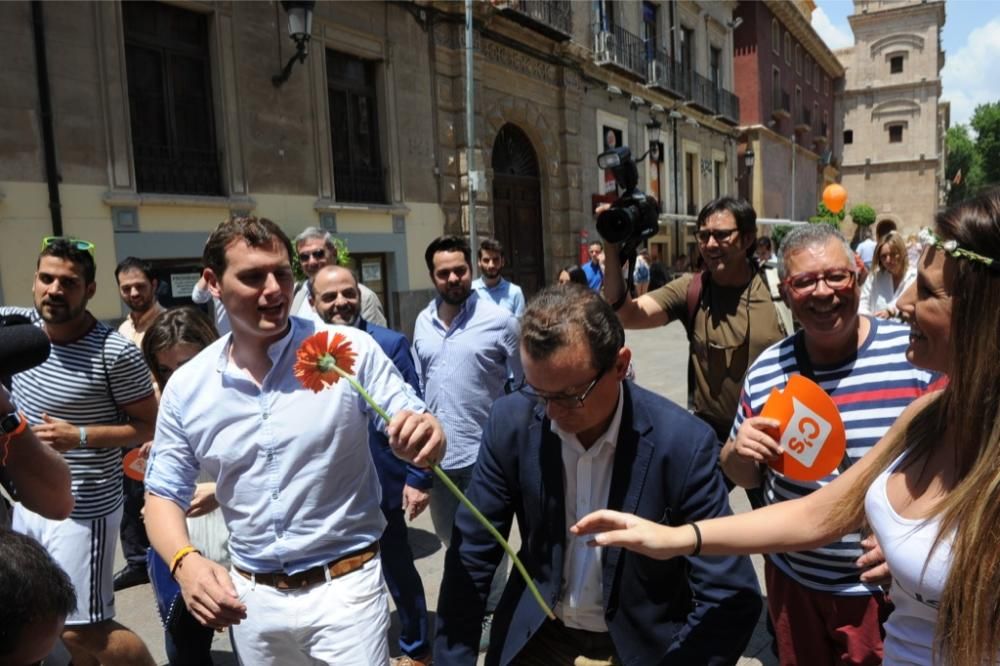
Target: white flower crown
[[928, 237]]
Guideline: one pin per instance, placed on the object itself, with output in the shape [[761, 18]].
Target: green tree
[[986, 122], [964, 157], [826, 216], [863, 215]]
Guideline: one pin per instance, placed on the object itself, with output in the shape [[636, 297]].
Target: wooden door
[[517, 209]]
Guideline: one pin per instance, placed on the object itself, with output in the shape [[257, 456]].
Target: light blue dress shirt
[[294, 476], [504, 293], [463, 369]]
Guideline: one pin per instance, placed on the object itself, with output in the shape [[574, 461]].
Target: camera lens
[[615, 224]]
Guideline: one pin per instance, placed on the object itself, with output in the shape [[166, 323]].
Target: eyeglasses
[[721, 236], [804, 284], [315, 254], [79, 244], [565, 401]]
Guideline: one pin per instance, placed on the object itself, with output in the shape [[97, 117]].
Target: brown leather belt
[[337, 568]]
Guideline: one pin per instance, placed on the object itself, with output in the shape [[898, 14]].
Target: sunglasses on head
[[78, 243], [315, 254]]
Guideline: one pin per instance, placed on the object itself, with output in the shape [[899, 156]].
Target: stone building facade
[[786, 79], [148, 123], [894, 120]]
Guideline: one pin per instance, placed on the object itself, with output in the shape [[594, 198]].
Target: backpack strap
[[696, 287]]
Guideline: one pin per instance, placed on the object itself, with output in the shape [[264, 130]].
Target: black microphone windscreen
[[22, 347]]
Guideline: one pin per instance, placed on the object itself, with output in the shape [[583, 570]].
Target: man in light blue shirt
[[465, 347], [492, 284], [294, 476], [592, 269]]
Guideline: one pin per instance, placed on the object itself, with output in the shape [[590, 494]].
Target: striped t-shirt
[[870, 390], [72, 385]]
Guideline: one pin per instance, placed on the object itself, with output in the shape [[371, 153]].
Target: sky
[[971, 46]]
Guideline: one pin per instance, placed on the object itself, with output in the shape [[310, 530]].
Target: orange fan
[[135, 467], [811, 432]]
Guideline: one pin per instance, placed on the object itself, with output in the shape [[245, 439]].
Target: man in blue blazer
[[576, 437], [337, 300]]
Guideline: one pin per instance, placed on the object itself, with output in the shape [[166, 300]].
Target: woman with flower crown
[[930, 490]]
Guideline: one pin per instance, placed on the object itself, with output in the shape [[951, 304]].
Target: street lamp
[[653, 130], [748, 160], [300, 16]]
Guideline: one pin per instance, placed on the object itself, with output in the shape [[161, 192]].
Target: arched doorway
[[517, 208]]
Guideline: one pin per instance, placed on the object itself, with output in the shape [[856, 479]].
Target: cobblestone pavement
[[660, 361]]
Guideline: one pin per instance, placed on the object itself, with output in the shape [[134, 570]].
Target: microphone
[[22, 345]]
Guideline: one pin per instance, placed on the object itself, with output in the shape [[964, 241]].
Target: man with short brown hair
[[294, 476]]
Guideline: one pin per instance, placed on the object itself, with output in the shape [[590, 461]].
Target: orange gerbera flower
[[319, 357]]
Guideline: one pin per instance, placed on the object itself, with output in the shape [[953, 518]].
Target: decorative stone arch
[[904, 41], [543, 137], [529, 120], [896, 107]]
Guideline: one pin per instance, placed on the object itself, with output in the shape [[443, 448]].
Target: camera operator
[[726, 309]]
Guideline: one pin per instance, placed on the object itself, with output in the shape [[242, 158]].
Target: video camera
[[634, 216]]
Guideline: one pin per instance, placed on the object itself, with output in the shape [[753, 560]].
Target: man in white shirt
[[137, 289], [578, 436], [294, 475]]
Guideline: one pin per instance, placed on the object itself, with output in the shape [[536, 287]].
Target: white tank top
[[916, 588]]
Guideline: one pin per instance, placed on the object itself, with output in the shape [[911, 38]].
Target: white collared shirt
[[293, 471], [587, 480]]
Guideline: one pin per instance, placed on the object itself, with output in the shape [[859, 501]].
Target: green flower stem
[[450, 485]]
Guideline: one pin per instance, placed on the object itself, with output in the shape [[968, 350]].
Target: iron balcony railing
[[729, 106], [177, 170], [703, 92], [553, 18], [665, 73], [619, 48]]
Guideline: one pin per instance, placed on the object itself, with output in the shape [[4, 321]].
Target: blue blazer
[[699, 610], [394, 473]]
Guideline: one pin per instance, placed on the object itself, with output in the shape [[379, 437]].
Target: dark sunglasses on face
[[315, 254], [805, 283], [78, 243], [721, 236]]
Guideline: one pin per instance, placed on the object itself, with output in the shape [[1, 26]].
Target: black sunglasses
[[315, 254]]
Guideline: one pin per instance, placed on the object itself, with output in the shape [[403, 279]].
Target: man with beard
[[315, 249], [825, 610], [137, 288], [464, 346], [492, 284], [336, 299], [92, 397]]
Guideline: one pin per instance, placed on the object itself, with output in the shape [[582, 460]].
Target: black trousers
[[133, 529]]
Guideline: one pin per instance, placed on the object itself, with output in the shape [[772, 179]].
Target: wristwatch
[[83, 437], [10, 423]]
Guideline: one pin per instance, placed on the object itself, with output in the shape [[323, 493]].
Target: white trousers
[[343, 621]]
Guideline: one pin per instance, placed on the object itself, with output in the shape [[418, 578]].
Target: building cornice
[[934, 84], [894, 13], [797, 24]]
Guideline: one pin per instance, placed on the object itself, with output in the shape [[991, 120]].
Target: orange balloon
[[834, 197]]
